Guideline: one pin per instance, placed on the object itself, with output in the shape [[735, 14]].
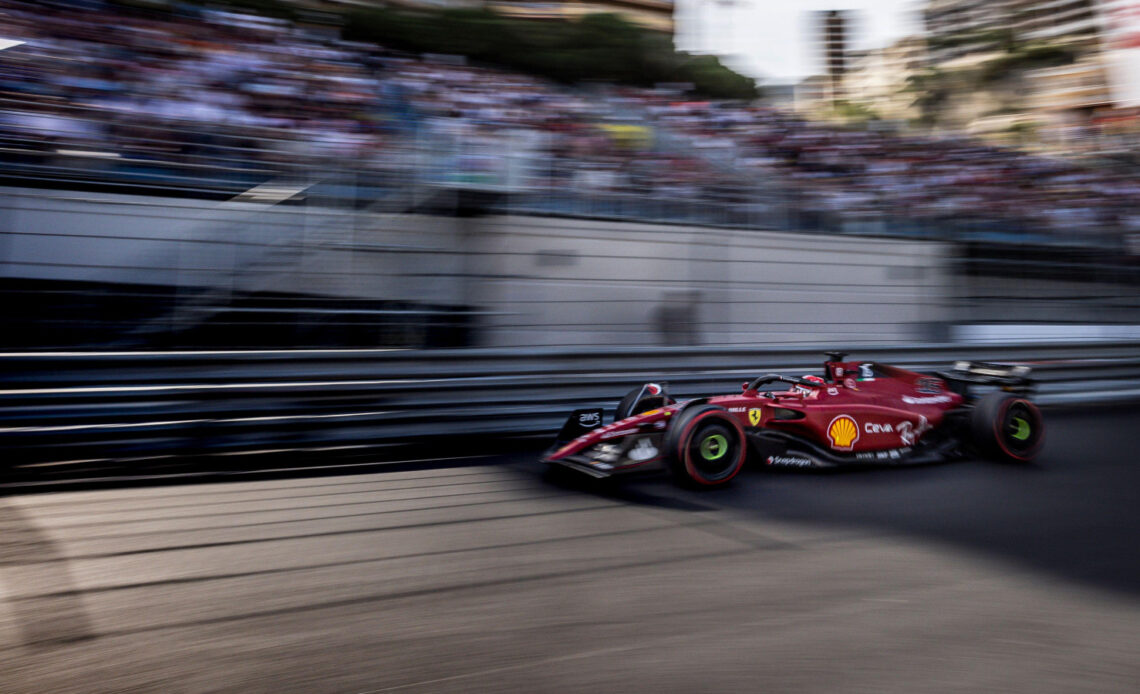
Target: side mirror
[[744, 386]]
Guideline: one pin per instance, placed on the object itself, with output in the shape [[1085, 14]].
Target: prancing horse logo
[[754, 416]]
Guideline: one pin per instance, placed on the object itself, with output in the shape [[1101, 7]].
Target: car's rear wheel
[[706, 446], [1006, 427], [632, 405]]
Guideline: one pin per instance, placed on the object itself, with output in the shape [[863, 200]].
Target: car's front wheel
[[706, 446]]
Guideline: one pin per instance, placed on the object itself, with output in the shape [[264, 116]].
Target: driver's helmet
[[808, 390]]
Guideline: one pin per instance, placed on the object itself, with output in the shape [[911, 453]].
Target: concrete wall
[[534, 281], [143, 240], [1010, 298], [570, 281], [59, 235]]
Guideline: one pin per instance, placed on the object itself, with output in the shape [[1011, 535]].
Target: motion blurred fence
[[83, 407]]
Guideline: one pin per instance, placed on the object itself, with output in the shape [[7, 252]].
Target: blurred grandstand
[[211, 103], [222, 105]]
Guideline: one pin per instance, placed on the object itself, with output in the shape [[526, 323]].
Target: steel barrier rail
[[57, 407]]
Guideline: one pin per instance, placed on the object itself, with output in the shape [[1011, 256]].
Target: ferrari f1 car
[[856, 413]]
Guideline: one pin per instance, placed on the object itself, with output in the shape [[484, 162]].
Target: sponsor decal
[[619, 432], [658, 411], [873, 428], [866, 372], [926, 400], [929, 386], [908, 433], [642, 451], [790, 461], [739, 410], [659, 425], [607, 452], [754, 416], [843, 432], [850, 383], [589, 419], [892, 454], [838, 371], [833, 391]]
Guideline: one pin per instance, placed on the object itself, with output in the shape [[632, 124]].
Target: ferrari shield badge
[[754, 416]]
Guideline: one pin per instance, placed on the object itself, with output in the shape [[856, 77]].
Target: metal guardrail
[[61, 407]]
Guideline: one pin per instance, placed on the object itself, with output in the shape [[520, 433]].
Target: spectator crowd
[[208, 94], [216, 91], [866, 175]]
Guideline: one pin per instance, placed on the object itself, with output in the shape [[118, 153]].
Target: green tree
[[931, 89], [595, 47]]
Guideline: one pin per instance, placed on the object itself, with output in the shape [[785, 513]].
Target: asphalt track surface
[[484, 575]]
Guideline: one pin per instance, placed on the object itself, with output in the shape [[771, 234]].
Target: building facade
[[1046, 20], [878, 79], [967, 38], [956, 29], [834, 27]]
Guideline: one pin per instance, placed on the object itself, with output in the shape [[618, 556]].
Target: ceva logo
[[843, 432]]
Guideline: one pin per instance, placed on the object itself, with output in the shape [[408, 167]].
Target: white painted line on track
[[88, 427], [352, 465], [173, 422], [237, 473]]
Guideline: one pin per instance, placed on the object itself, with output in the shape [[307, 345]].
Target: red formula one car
[[856, 413]]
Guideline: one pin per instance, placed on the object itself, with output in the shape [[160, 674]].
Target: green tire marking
[[1022, 432], [714, 447]]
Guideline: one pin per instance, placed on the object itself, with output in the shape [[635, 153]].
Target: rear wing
[[1014, 378]]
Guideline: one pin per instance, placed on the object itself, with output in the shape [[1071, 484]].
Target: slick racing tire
[[705, 447], [1008, 428], [630, 405]]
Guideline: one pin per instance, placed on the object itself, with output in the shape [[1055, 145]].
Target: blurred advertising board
[[629, 136], [1120, 36]]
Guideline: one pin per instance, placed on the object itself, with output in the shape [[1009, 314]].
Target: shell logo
[[843, 432]]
